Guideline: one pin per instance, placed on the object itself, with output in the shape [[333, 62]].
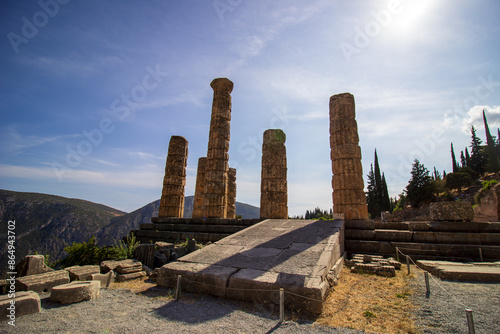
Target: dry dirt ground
[[358, 304]]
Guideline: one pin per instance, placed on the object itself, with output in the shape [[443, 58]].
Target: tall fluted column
[[172, 195], [215, 193], [273, 187], [347, 182], [231, 194], [199, 188]]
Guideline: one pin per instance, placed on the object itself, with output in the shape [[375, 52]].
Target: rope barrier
[[436, 281], [252, 290]]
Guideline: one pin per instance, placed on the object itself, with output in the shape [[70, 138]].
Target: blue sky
[[92, 91]]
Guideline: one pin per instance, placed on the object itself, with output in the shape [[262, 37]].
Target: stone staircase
[[202, 230], [459, 241]]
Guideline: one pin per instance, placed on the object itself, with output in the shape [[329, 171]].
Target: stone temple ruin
[[302, 256], [252, 259]]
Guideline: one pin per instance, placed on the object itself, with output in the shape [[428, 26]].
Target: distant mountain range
[[47, 224]]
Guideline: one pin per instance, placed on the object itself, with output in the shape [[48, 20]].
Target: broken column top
[[337, 103], [274, 135], [222, 84]]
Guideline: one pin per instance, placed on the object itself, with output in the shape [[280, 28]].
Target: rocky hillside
[[46, 223]]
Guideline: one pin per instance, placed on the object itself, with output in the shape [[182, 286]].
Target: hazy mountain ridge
[[121, 226], [47, 224]]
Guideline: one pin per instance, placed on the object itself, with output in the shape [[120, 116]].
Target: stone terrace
[[252, 265]]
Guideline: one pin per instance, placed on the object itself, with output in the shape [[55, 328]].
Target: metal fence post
[[178, 290], [282, 305], [408, 263], [427, 286], [470, 321]]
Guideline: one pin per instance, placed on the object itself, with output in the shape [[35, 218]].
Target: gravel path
[[442, 313], [121, 311]]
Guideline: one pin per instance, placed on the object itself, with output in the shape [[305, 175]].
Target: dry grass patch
[[370, 303], [143, 286]]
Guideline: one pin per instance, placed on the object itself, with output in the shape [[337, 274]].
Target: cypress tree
[[477, 157], [467, 158], [462, 159], [492, 154], [386, 201], [378, 179], [372, 199], [453, 160]]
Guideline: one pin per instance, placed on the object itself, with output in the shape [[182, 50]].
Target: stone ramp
[[484, 272], [253, 264]]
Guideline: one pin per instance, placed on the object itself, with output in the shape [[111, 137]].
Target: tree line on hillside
[[425, 187]]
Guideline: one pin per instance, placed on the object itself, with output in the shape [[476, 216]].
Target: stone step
[[148, 235], [427, 250], [433, 226], [196, 228], [205, 221], [425, 237]]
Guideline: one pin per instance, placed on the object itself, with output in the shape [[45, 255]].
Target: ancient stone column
[[199, 188], [347, 182], [231, 194], [273, 186], [215, 191], [172, 195]]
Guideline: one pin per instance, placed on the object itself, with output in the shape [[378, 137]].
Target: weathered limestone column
[[231, 194], [215, 191], [347, 182], [172, 195], [273, 187], [199, 188]]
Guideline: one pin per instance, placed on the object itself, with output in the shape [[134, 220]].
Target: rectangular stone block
[[105, 279], [42, 283], [198, 277], [393, 235], [131, 276], [82, 273], [22, 303]]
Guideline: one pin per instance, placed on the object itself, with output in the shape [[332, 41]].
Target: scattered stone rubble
[[70, 285], [373, 264]]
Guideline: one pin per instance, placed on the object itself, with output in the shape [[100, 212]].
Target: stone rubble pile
[[373, 264]]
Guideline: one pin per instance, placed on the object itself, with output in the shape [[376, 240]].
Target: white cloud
[[14, 142], [144, 179], [475, 118]]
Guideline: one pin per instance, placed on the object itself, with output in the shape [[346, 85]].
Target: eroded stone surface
[[451, 211], [199, 188], [75, 292], [216, 181], [42, 283], [172, 196], [82, 273], [231, 194], [296, 255], [26, 302], [32, 265], [273, 187], [347, 182]]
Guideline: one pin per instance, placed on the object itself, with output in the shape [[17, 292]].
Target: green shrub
[[88, 253], [488, 184]]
